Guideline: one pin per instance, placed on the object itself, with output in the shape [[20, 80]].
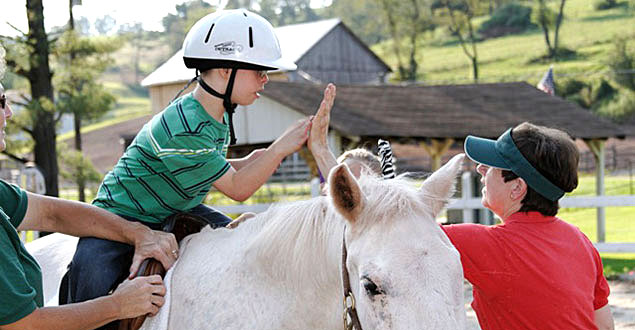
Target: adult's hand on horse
[[154, 244], [140, 296], [320, 126]]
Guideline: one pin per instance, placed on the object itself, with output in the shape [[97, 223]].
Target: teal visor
[[504, 154]]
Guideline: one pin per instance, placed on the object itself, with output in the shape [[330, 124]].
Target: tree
[[77, 168], [622, 63], [105, 24], [235, 4], [177, 25], [79, 92], [406, 22], [361, 17], [460, 14], [547, 19], [28, 56]]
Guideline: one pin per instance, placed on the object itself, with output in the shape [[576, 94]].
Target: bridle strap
[[351, 310], [227, 101]]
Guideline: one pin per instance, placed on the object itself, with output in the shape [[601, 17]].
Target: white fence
[[467, 204]]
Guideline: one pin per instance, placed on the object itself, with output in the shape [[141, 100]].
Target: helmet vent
[[244, 13], [251, 38], [209, 33]]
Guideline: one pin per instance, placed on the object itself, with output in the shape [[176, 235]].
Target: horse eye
[[371, 288]]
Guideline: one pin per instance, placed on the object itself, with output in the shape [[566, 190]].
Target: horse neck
[[298, 243]]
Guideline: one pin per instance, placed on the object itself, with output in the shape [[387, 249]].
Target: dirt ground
[[621, 300]]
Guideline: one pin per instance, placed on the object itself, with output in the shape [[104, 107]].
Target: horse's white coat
[[281, 269], [53, 252]]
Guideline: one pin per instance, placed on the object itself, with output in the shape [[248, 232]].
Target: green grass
[[617, 263], [129, 106], [509, 58]]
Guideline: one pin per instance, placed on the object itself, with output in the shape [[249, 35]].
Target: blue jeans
[[99, 265]]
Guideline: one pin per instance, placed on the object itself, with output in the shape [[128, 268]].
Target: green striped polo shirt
[[170, 166]]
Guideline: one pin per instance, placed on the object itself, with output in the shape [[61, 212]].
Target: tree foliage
[[458, 15], [622, 62], [508, 19], [549, 20], [28, 57], [177, 25], [365, 18]]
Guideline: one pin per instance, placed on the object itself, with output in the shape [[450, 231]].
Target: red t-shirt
[[532, 272]]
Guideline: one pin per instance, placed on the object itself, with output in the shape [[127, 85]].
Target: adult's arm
[[80, 219], [242, 183], [604, 318], [142, 295]]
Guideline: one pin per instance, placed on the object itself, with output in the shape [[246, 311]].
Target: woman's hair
[[552, 153], [364, 157]]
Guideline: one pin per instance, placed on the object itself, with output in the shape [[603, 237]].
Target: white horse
[[282, 269]]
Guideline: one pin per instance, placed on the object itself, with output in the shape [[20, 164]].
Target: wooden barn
[[325, 51]]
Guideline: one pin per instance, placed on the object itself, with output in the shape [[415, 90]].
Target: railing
[[468, 203]]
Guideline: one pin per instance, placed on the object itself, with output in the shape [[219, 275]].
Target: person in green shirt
[[180, 154], [21, 296]]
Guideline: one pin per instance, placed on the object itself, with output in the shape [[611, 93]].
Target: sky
[[148, 12]]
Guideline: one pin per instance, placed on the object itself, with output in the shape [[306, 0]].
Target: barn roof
[[295, 41], [452, 111]]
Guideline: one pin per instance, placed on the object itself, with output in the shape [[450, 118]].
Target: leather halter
[[350, 311]]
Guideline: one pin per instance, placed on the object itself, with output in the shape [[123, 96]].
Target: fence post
[[315, 187], [598, 149], [466, 194]]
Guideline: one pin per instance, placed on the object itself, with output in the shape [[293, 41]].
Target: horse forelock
[[391, 200]]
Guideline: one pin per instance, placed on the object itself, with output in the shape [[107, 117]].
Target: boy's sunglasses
[[3, 101]]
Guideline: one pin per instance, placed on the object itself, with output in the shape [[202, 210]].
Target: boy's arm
[[238, 163], [240, 184]]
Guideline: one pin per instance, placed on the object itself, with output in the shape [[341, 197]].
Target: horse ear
[[439, 187], [345, 192]]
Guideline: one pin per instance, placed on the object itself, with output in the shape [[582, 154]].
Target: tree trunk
[[412, 65], [557, 28], [39, 76], [77, 118], [79, 179], [392, 27]]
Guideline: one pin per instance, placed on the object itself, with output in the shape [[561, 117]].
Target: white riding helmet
[[233, 39]]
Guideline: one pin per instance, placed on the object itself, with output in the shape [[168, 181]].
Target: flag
[[547, 84]]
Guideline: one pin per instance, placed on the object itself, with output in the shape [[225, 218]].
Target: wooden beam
[[436, 148], [597, 148]]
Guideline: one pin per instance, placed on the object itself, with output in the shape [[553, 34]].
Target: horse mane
[[304, 237]]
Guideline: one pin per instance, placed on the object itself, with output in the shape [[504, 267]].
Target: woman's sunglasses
[[3, 101]]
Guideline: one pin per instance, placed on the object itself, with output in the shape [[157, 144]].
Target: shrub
[[508, 19], [605, 4]]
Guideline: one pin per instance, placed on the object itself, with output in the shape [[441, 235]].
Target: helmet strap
[[227, 100]]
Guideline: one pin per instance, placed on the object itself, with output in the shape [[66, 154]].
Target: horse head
[[404, 272]]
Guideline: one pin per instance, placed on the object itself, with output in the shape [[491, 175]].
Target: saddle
[[181, 225]]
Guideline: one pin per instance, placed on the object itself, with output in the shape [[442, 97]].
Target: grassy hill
[[511, 58]]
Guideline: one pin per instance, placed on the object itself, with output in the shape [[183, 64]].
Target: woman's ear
[[519, 189]]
